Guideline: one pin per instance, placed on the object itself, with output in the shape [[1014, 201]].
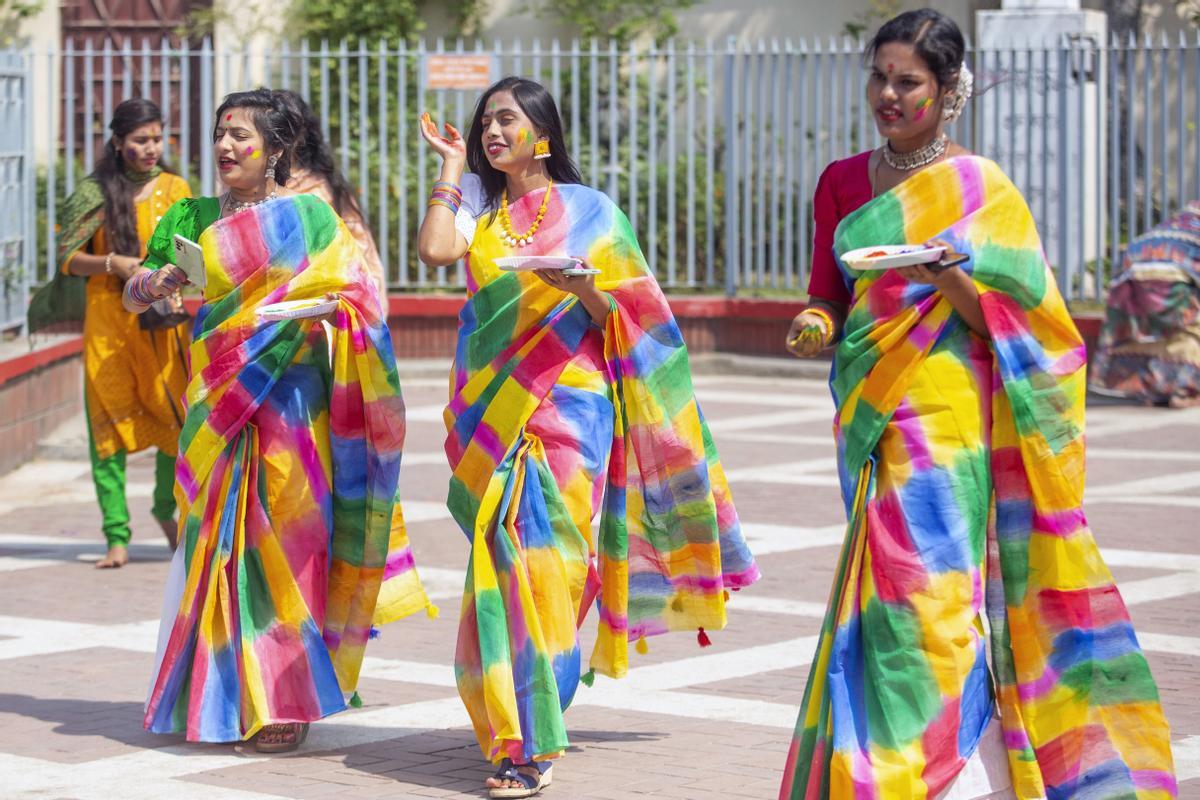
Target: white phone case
[[189, 257]]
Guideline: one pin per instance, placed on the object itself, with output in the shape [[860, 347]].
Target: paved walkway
[[76, 643]]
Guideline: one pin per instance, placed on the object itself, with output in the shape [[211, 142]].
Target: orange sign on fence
[[458, 72]]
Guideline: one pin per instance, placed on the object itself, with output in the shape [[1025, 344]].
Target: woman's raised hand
[[451, 147]]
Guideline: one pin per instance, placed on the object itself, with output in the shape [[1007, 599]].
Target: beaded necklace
[[235, 206], [922, 156], [513, 239]]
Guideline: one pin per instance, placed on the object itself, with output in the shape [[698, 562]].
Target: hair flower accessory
[[962, 93]]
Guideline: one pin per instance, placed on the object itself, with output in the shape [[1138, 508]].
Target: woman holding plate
[[959, 386], [570, 398], [293, 544]]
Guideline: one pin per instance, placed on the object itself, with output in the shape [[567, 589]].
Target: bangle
[[453, 187], [138, 289], [825, 317], [108, 263], [445, 202]]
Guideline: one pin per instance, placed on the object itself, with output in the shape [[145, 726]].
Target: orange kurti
[[133, 378]]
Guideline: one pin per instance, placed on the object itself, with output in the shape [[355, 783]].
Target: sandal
[[531, 782], [286, 737]]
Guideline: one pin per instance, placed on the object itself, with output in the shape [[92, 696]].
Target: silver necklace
[[922, 156], [234, 205]]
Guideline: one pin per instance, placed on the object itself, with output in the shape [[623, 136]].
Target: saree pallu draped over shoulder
[[287, 483], [962, 470], [553, 421]]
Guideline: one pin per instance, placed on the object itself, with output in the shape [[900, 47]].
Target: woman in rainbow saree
[[1149, 348], [293, 544], [571, 398], [959, 426]]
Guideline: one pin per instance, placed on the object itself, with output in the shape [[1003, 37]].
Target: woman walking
[[571, 398], [293, 540], [959, 426], [134, 375], [1150, 344]]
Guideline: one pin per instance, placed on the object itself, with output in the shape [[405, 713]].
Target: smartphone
[[189, 257]]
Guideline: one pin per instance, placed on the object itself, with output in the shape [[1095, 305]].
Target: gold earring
[[541, 149]]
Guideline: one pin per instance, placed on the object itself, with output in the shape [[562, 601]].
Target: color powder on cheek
[[524, 136], [131, 154], [922, 107]]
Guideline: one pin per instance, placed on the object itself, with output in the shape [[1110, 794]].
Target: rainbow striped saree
[[551, 422], [287, 479], [962, 470]]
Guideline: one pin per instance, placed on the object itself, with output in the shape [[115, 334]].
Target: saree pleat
[[962, 472], [553, 422], [287, 482]]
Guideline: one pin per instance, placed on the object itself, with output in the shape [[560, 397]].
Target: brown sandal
[[287, 737]]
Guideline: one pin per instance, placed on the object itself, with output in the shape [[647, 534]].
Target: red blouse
[[844, 186]]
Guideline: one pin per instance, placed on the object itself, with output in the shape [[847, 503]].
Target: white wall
[[43, 33]]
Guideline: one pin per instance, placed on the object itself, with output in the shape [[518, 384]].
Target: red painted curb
[[23, 364]]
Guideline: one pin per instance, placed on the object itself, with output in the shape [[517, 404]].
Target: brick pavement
[[76, 643]]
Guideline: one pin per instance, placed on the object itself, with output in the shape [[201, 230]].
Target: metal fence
[[17, 249], [713, 150]]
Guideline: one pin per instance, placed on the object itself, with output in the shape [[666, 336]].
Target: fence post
[[206, 115], [1063, 188], [29, 173], [731, 167]]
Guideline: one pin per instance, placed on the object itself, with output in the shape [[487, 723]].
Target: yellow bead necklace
[[520, 240]]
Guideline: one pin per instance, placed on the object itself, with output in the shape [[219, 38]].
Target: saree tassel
[[588, 678], [641, 646], [703, 639], [355, 701], [373, 633], [432, 611]]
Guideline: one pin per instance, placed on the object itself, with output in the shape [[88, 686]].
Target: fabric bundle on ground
[[552, 421], [1150, 344], [962, 469], [287, 479]]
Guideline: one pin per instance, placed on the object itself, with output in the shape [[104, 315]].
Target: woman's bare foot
[[116, 557], [170, 529]]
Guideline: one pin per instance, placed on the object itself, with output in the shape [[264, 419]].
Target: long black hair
[[538, 104], [313, 154], [934, 36], [279, 127], [120, 217]]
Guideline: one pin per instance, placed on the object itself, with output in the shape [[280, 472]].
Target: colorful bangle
[[138, 288], [453, 187], [445, 203]]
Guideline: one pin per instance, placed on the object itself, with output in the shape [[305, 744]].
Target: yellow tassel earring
[[541, 149]]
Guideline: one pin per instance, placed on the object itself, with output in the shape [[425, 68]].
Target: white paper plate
[[296, 309], [526, 263], [894, 255]]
